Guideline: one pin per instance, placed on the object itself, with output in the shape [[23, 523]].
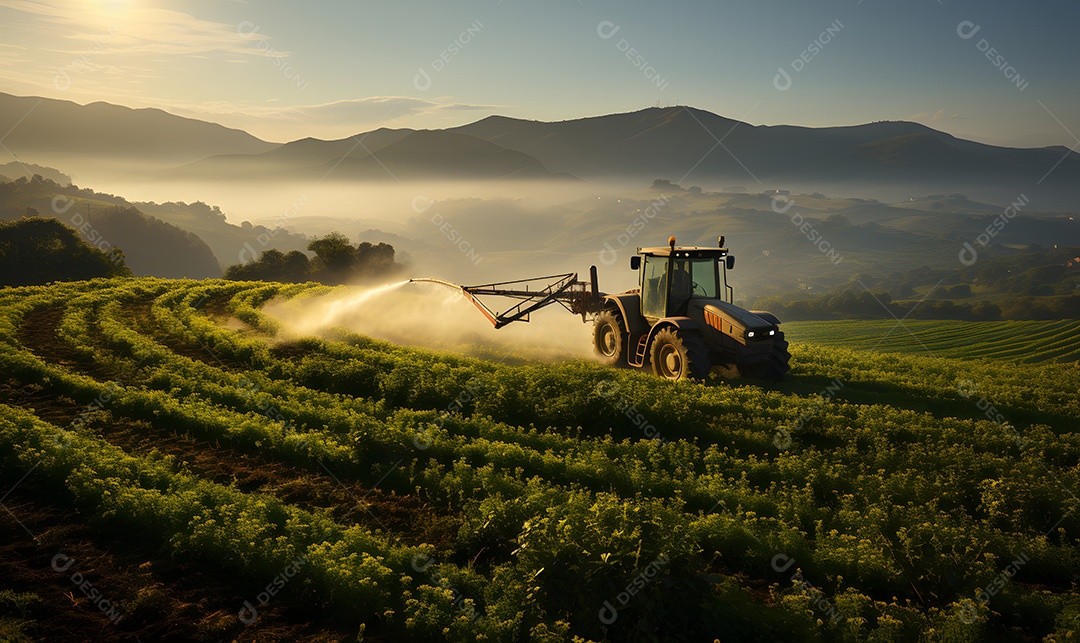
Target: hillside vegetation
[[187, 455], [151, 246], [171, 239]]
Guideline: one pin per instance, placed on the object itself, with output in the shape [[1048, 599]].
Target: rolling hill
[[161, 240]]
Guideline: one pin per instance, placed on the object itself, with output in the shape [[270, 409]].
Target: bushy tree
[[334, 256], [273, 265], [666, 184], [37, 250]]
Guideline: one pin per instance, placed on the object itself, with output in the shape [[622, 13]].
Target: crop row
[[898, 514], [1020, 341]]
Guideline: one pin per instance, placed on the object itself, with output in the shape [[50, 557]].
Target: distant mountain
[[639, 143], [46, 129], [673, 142], [314, 151], [383, 154], [683, 143], [434, 154], [304, 156], [678, 143]]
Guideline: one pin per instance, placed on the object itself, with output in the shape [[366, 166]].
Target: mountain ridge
[[53, 129], [680, 143]]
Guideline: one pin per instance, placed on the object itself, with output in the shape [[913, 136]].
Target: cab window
[[654, 287], [691, 278]]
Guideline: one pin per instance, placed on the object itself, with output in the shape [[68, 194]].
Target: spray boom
[[533, 294]]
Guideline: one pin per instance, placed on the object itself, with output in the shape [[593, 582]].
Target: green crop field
[[1019, 341], [174, 467]]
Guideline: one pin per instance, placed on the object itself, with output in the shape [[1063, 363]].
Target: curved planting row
[[870, 495]]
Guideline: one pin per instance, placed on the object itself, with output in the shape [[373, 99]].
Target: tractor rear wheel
[[678, 355], [773, 368], [608, 338]]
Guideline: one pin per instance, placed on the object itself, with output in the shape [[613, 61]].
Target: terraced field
[[1020, 341], [174, 467]]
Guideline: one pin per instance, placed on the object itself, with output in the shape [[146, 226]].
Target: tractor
[[680, 321]]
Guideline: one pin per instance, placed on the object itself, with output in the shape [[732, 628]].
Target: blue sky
[[284, 70]]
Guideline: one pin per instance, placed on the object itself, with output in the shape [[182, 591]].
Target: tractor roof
[[683, 251]]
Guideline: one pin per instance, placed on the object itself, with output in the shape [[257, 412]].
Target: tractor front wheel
[[678, 355], [773, 368], [608, 338]]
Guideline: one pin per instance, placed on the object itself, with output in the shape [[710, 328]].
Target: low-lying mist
[[434, 316], [806, 238], [310, 205]]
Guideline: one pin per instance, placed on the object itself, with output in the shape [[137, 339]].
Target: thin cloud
[[467, 107], [138, 29], [335, 119], [358, 110], [107, 41], [938, 116]]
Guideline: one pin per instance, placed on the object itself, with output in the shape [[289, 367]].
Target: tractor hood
[[731, 320]]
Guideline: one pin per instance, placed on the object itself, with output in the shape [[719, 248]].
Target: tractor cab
[[670, 277]]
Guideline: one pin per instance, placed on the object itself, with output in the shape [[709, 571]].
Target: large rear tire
[[609, 338], [773, 369], [678, 355]]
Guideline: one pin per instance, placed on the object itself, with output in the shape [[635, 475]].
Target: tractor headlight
[[772, 332], [749, 333]]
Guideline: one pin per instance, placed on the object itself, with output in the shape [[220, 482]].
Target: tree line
[[336, 261]]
